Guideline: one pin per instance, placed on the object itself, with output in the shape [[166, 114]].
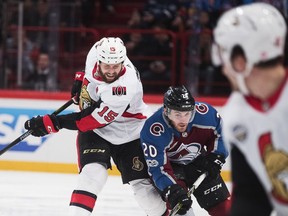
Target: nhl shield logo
[[137, 164]]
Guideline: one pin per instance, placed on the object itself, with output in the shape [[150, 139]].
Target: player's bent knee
[[90, 182], [92, 178], [148, 197]]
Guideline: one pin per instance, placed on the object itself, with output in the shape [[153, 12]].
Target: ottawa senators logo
[[276, 164], [137, 164], [119, 90]]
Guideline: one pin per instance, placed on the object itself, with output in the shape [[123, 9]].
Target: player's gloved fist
[[175, 194], [212, 163], [43, 125], [76, 87]]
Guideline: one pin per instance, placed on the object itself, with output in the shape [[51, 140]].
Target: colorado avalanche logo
[[156, 129], [202, 108], [119, 90], [185, 153]]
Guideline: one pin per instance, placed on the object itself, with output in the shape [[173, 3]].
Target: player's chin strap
[[190, 191]]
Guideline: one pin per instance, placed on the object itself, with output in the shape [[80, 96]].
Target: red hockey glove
[[175, 194], [212, 163], [76, 87], [43, 125]]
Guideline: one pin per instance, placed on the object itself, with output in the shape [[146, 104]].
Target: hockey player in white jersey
[[109, 124], [249, 44]]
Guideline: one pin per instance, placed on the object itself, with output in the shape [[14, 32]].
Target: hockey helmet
[[111, 50], [258, 28], [179, 98]]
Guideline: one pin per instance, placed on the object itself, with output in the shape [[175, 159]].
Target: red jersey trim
[[136, 115], [258, 104], [94, 72], [88, 123]]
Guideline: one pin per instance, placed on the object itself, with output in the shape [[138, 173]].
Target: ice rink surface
[[48, 194]]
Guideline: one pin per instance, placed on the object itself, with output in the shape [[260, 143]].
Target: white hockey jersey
[[120, 116], [260, 132]]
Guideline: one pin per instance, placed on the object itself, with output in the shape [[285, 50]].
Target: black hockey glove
[[175, 194], [43, 125], [212, 163], [76, 87]]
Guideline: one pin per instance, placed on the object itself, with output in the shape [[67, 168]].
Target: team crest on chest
[[157, 129], [119, 90], [276, 164]]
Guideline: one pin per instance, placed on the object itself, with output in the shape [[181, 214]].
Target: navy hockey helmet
[[179, 98]]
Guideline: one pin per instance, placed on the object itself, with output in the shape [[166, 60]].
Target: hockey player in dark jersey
[[180, 141], [249, 44]]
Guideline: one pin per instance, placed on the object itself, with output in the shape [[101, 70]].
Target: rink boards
[[56, 152]]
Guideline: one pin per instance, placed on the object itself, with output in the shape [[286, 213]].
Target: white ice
[[48, 194]]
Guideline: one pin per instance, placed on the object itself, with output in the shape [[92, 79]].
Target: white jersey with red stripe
[[260, 131], [120, 116]]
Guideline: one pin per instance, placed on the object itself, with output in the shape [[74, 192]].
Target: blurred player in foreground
[[249, 44]]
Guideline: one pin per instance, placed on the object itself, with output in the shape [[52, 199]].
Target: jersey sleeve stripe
[[136, 115], [88, 123]]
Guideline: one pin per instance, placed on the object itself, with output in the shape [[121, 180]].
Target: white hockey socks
[[148, 197], [91, 180]]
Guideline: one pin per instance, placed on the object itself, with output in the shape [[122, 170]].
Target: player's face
[[180, 119], [110, 72]]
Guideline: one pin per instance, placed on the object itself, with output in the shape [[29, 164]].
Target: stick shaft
[[190, 192], [29, 132]]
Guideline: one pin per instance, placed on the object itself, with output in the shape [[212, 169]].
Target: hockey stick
[[190, 192], [29, 132]]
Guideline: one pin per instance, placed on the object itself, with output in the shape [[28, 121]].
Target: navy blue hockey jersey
[[163, 144]]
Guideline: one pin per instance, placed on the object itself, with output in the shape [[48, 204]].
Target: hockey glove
[[212, 163], [76, 87], [175, 194], [43, 125]]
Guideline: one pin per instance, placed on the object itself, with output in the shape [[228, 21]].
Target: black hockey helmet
[[179, 98]]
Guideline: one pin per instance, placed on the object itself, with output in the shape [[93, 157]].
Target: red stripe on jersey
[[136, 115], [271, 101], [88, 123]]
